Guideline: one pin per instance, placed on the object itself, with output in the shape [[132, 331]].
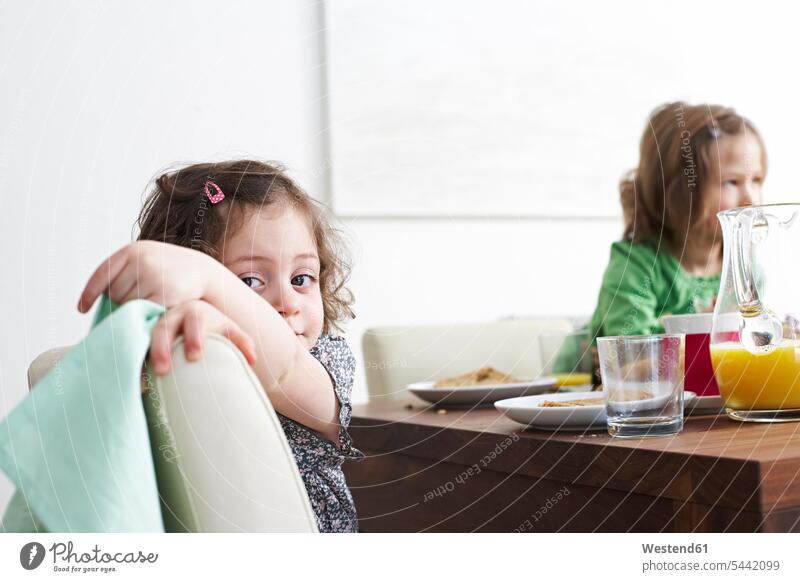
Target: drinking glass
[[643, 384]]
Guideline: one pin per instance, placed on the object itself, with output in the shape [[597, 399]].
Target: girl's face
[[736, 174], [274, 253]]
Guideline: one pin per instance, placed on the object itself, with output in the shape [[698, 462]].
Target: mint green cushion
[[77, 446]]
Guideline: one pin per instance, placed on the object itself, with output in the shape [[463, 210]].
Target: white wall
[[444, 271], [413, 271], [95, 98]]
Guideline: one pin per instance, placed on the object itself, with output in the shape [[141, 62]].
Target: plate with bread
[[482, 386], [573, 411]]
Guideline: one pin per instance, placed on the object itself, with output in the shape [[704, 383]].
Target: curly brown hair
[[662, 197], [176, 211]]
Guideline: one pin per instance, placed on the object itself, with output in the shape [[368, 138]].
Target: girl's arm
[[296, 383]]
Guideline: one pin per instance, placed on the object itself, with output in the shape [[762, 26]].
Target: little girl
[[253, 257], [695, 161]]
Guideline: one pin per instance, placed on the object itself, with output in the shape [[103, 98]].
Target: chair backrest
[[222, 460], [395, 356]]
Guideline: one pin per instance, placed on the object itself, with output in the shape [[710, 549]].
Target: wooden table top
[[714, 460]]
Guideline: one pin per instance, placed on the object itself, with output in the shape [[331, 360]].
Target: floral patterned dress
[[318, 459]]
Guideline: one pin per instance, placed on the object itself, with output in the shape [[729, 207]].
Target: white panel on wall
[[535, 108]]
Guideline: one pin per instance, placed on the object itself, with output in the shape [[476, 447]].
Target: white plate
[[479, 394], [629, 406], [526, 410], [706, 405]]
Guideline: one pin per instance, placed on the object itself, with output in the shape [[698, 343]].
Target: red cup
[[698, 375]]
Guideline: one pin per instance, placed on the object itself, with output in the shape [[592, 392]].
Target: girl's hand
[[194, 320], [161, 272]]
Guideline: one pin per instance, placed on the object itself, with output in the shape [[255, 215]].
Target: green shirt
[[640, 285]]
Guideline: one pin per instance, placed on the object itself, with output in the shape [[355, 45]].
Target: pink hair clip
[[218, 197]]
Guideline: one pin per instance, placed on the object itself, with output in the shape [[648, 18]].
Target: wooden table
[[475, 470]]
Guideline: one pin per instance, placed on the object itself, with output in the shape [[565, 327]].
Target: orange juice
[[758, 382]]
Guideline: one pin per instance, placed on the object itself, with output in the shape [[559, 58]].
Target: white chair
[[395, 356], [222, 460]]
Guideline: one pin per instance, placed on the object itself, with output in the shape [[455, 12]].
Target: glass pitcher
[[755, 335]]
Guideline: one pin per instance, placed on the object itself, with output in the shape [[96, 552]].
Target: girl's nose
[[285, 302], [747, 193]]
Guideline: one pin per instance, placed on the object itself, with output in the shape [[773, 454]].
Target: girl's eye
[[303, 280], [253, 282], [729, 183]]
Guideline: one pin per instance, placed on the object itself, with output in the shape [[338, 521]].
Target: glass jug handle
[[760, 330]]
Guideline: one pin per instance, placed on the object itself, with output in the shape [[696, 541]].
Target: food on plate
[[480, 377], [572, 379], [641, 370], [628, 394], [577, 402]]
